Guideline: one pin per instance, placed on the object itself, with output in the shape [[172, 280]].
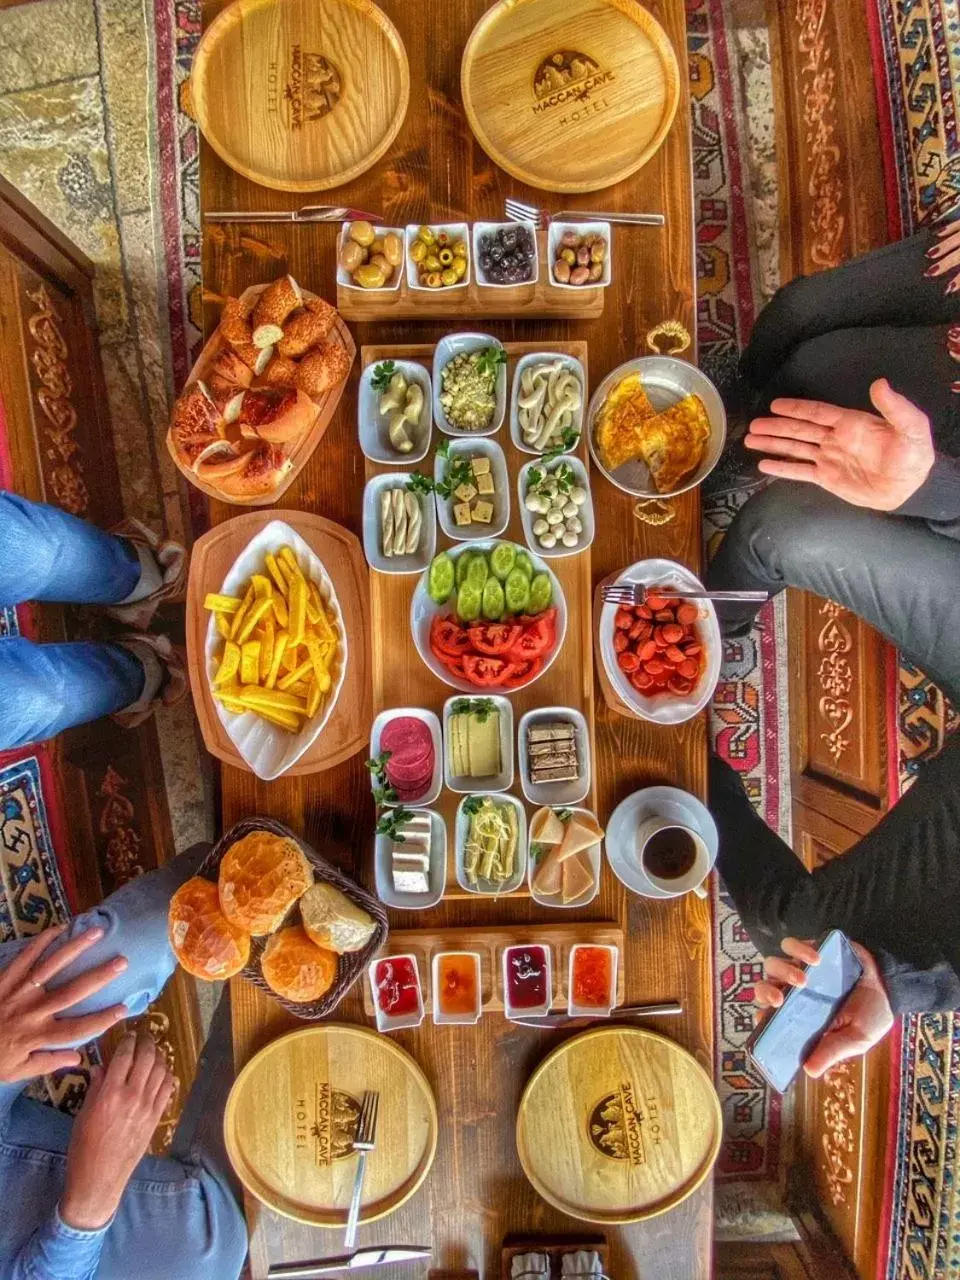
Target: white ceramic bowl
[[386, 1021], [461, 828], [372, 429], [538, 1011], [528, 518], [456, 231], [486, 228], [372, 545], [666, 380], [433, 724], [382, 850], [555, 235], [559, 795], [456, 1019], [423, 610], [268, 749], [480, 447], [344, 278], [596, 861], [539, 357], [593, 1011], [664, 708], [455, 344], [501, 781]]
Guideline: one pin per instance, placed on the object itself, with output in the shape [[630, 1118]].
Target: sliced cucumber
[[440, 578], [516, 592], [524, 564], [469, 599], [493, 600], [462, 565], [503, 559], [541, 593], [478, 571]]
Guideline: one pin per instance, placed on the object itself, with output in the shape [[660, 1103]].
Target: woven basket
[[349, 967]]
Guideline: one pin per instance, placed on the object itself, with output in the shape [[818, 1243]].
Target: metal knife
[[309, 213], [349, 1262], [627, 1011]]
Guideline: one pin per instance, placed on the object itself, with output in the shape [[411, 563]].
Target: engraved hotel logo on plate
[[620, 1125], [570, 79], [306, 90]]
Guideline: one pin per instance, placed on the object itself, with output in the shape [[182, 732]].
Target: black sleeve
[[938, 499], [919, 990]]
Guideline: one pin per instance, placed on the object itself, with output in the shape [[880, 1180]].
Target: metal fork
[[517, 211], [637, 593], [364, 1142]]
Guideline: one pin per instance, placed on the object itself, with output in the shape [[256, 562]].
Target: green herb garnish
[[473, 804], [382, 375], [489, 361], [419, 483], [537, 850], [564, 814], [383, 792], [392, 821], [458, 472], [479, 707], [567, 440]]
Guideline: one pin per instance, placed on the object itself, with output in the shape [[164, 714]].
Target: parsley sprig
[[568, 439], [489, 361], [383, 792], [391, 822], [382, 375], [482, 708]]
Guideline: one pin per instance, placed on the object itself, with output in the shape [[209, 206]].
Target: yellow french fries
[[279, 644]]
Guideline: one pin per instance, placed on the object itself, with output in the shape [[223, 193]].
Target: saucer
[[660, 802]]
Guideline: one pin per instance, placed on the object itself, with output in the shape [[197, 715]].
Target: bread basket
[[349, 967]]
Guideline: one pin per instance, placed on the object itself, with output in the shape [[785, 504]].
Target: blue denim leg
[[45, 688], [177, 1217], [46, 554]]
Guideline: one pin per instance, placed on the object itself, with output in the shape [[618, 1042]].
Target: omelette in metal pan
[[671, 443]]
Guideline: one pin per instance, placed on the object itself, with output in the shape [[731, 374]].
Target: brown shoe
[[171, 558], [152, 651]]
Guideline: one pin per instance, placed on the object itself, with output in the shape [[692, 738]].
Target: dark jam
[[457, 984], [592, 971], [398, 987], [527, 977]]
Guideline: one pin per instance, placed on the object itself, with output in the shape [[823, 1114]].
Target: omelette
[[671, 443], [621, 416]]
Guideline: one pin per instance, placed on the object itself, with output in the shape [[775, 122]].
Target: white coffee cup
[[675, 886]]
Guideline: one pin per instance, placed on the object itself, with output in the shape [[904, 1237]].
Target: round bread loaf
[[261, 877], [333, 921], [203, 939], [296, 968]]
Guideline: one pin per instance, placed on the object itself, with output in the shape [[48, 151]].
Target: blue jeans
[[46, 554], [179, 1216]]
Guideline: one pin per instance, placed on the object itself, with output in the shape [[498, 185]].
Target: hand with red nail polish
[[945, 252], [31, 1033]]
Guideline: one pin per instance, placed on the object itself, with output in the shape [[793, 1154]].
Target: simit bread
[[203, 939], [331, 920], [296, 968], [261, 877]]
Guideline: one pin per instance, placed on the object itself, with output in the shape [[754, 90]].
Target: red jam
[[592, 973], [457, 984], [398, 987], [527, 977]]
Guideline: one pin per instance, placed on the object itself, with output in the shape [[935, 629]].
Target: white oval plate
[[596, 861], [538, 357], [433, 724], [527, 518], [455, 344], [268, 749], [423, 610], [501, 781], [372, 545], [481, 448], [666, 380], [461, 828], [558, 795], [664, 708], [372, 429]]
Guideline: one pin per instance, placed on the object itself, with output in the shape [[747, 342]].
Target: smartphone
[[781, 1045]]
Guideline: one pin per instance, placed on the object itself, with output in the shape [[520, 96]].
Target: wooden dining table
[[476, 1193]]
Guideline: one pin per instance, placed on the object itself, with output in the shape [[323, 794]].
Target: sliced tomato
[[534, 640], [628, 662], [521, 673], [493, 638], [483, 671], [447, 636]]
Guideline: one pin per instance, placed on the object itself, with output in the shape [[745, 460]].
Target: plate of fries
[[276, 650]]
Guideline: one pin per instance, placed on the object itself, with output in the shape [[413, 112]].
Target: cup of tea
[[673, 857]]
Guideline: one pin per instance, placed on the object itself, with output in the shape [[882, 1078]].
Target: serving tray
[[345, 733]]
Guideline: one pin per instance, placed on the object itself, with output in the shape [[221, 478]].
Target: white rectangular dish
[[372, 429], [558, 795], [461, 828], [593, 1011], [433, 724], [478, 448], [487, 228], [569, 363], [416, 561], [596, 862], [391, 1022], [535, 1011], [529, 519], [456, 231], [456, 1019], [455, 344], [270, 750], [554, 237], [383, 848], [501, 781], [346, 280]]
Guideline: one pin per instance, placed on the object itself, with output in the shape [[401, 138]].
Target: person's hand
[[863, 1020], [30, 1031], [945, 252], [113, 1130], [867, 460]]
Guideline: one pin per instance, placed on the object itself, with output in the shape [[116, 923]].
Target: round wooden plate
[[291, 1117], [300, 95], [569, 95], [618, 1125]]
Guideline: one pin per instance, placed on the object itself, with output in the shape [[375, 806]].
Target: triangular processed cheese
[[577, 877], [547, 878], [546, 827], [582, 831]]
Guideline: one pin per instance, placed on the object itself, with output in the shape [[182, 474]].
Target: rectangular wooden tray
[[400, 678], [491, 943], [540, 301]]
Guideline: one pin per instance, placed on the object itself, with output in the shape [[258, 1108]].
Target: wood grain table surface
[[476, 1193]]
